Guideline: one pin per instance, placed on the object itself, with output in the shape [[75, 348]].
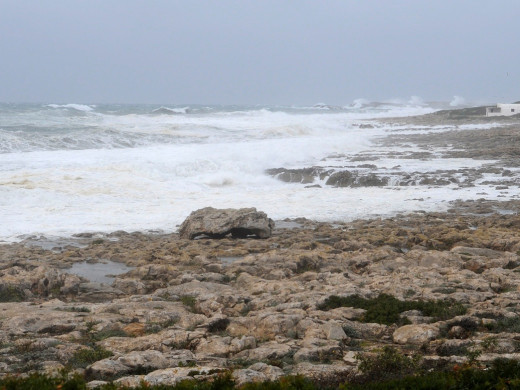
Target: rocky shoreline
[[322, 300], [261, 307], [483, 153]]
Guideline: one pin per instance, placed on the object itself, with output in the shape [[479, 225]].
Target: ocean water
[[72, 168]]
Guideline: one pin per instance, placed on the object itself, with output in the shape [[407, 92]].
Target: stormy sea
[[73, 168]]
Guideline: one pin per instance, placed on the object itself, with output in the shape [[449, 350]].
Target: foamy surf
[[135, 168]]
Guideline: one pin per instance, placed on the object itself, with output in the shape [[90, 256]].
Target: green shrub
[[219, 325], [11, 294], [390, 363], [503, 374], [189, 301], [106, 333], [75, 309], [86, 356], [43, 382], [385, 309], [505, 324]]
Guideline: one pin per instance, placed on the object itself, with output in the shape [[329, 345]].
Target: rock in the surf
[[218, 223]]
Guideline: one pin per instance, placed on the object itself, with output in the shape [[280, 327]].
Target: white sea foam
[[125, 168], [359, 103], [457, 101], [168, 110], [416, 101], [78, 107]]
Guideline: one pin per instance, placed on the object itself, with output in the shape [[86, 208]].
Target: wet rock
[[355, 179], [218, 223], [341, 179], [304, 176]]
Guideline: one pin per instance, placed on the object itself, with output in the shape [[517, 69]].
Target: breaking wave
[[170, 111], [457, 101], [77, 107]]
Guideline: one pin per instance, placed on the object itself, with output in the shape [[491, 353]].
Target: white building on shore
[[503, 109]]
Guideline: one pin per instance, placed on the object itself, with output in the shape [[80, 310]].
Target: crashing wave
[[171, 111], [359, 103], [457, 101], [323, 106], [416, 101], [78, 107]]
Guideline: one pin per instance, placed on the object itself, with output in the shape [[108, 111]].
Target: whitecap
[[359, 103], [168, 110], [74, 106]]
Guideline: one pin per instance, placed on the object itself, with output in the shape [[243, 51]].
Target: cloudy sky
[[258, 52]]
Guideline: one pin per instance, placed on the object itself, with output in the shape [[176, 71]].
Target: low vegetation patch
[[86, 356], [190, 302], [388, 364], [219, 325], [505, 324], [11, 294], [503, 374], [385, 309], [75, 309], [106, 333]]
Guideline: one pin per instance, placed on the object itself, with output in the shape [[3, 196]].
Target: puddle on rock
[[227, 260], [99, 272], [506, 212]]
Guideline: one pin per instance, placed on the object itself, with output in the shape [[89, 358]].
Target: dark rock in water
[[304, 175], [341, 179], [218, 223], [349, 179], [371, 181]]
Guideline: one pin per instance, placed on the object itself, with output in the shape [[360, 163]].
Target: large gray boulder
[[218, 223]]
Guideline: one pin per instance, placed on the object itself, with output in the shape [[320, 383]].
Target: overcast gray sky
[[258, 52]]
